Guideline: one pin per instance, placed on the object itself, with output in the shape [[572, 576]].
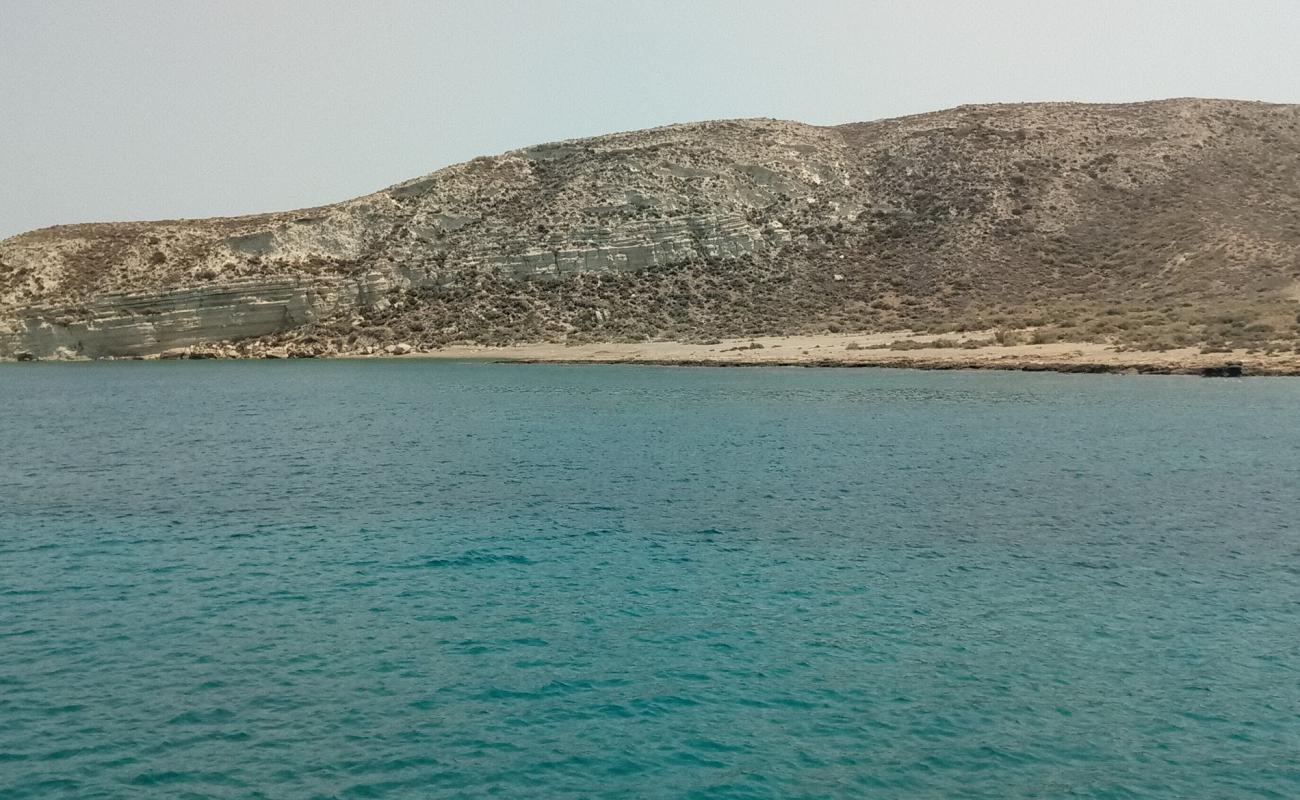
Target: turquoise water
[[413, 579]]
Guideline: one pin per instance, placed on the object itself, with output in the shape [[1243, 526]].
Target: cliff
[[1154, 225]]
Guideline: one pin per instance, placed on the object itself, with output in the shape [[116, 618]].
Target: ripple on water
[[413, 579]]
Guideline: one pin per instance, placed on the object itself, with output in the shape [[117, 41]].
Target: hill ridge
[[1155, 224]]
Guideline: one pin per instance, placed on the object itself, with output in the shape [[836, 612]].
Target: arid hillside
[[1151, 225]]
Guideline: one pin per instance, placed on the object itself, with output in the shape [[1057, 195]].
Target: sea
[[423, 579]]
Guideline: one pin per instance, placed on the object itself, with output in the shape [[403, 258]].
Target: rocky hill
[[1151, 225]]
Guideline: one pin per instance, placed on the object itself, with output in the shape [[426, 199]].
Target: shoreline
[[965, 351], [973, 350], [1083, 368]]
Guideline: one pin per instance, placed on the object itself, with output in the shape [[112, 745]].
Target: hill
[[1152, 226]]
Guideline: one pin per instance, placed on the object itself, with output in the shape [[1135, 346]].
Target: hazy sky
[[141, 110]]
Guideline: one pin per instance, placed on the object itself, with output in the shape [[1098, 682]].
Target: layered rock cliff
[[1155, 224]]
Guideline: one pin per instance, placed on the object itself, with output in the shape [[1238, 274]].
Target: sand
[[873, 350]]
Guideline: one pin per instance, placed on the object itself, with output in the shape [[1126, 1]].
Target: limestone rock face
[[140, 323], [740, 226], [618, 203]]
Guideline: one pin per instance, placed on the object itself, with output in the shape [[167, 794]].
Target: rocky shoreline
[[1224, 370], [898, 350]]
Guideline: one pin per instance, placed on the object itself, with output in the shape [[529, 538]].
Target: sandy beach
[[898, 349]]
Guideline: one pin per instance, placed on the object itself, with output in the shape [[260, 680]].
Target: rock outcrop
[[140, 323], [1175, 220]]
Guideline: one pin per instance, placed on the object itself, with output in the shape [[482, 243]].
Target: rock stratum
[[1158, 225]]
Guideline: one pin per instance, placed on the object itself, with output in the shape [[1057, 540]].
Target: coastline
[[973, 350], [834, 350], [899, 350]]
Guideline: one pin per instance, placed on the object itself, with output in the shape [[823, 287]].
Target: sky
[[136, 109]]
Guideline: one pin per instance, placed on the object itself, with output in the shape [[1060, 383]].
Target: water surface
[[416, 579]]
